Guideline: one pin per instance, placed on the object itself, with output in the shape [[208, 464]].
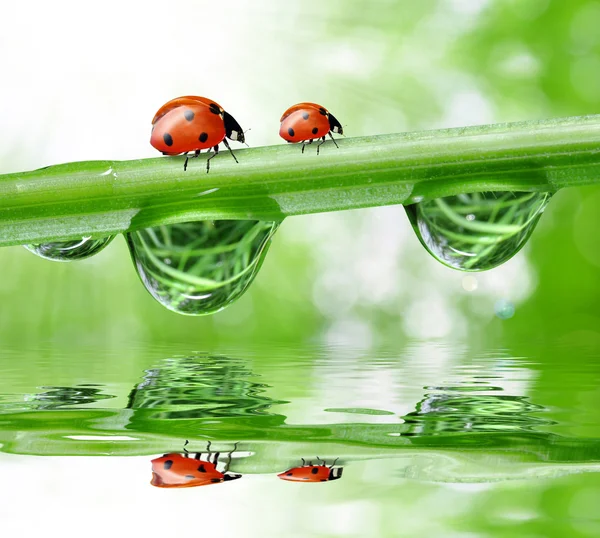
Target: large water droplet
[[199, 268], [66, 251], [478, 231]]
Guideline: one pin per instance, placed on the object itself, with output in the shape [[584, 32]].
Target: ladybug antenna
[[245, 143], [331, 466]]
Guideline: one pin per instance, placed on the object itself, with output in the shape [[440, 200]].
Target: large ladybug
[[193, 123], [187, 470], [306, 122], [308, 472]]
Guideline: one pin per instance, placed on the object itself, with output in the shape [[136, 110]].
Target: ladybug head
[[227, 477], [335, 473], [233, 131], [334, 125]]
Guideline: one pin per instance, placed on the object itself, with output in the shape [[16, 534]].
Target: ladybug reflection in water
[[308, 472], [190, 470]]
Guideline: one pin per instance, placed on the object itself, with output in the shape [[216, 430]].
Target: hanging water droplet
[[478, 231], [66, 251], [199, 268]]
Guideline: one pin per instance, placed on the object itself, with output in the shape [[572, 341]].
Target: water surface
[[466, 430]]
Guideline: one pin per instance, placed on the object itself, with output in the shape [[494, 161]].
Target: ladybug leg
[[186, 441], [320, 144], [229, 458], [305, 143], [216, 148], [187, 158], [303, 462], [331, 136], [227, 146]]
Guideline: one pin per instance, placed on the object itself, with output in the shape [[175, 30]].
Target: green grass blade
[[270, 183]]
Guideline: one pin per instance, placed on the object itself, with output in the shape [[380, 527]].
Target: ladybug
[[306, 122], [308, 472], [193, 123], [187, 470]]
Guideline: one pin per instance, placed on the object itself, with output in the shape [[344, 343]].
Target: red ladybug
[[193, 123], [184, 471], [306, 122], [312, 473]]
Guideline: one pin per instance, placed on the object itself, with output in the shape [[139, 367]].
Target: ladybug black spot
[[167, 465], [315, 130], [201, 469], [168, 139], [305, 115], [203, 137], [291, 131], [189, 477], [323, 479], [323, 111], [189, 115], [215, 480], [214, 109], [314, 470], [290, 474]]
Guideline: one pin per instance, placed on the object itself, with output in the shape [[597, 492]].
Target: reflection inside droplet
[[64, 251], [477, 231], [200, 267]]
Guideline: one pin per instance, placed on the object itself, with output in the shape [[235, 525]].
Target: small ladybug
[[306, 122], [193, 123], [308, 472], [184, 471]]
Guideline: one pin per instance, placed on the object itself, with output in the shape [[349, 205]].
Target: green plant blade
[[101, 198]]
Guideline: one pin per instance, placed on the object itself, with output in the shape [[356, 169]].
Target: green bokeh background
[[512, 60]]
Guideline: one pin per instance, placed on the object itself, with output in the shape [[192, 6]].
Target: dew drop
[[478, 231], [199, 268], [504, 309], [66, 251]]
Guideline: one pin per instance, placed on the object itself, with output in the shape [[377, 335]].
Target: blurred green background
[[85, 86]]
